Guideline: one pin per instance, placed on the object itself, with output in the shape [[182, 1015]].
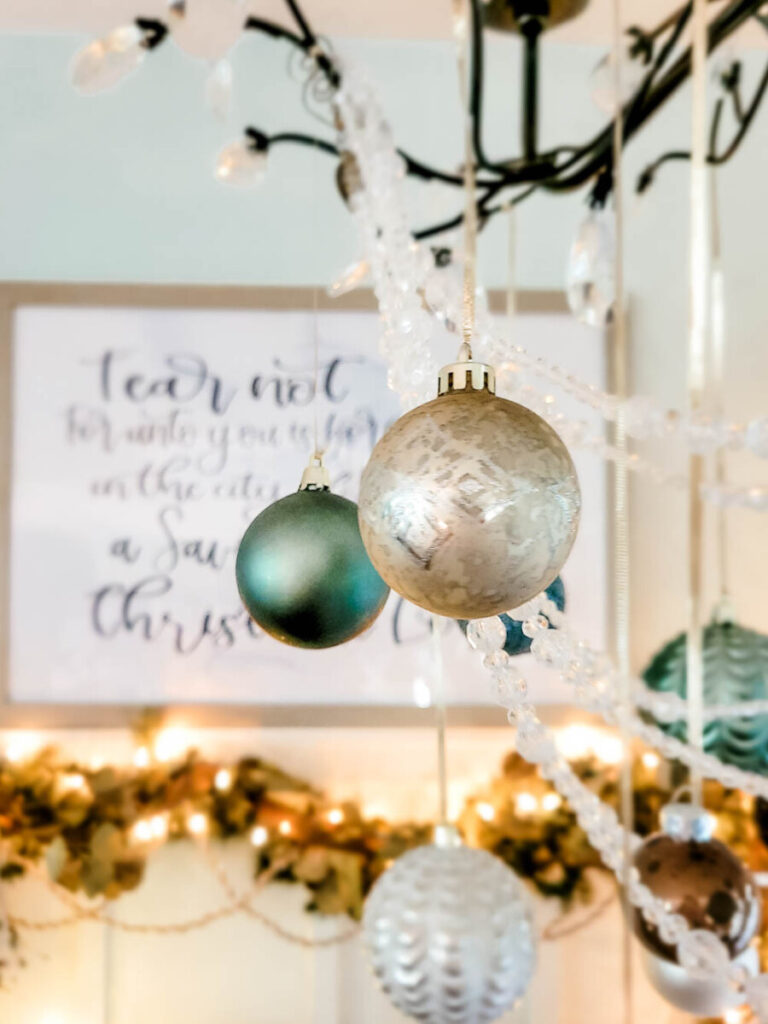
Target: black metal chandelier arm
[[715, 155], [413, 167], [154, 31], [601, 147], [307, 41], [489, 190]]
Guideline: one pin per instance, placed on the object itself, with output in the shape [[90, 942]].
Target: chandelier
[[656, 65]]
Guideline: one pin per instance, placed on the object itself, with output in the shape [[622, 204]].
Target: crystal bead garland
[[596, 685], [700, 953], [404, 276]]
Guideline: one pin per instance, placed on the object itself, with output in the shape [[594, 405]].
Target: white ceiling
[[410, 19]]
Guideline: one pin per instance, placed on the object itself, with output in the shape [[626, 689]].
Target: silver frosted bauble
[[450, 935], [469, 504], [701, 997]]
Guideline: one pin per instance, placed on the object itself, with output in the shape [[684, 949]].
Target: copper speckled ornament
[[698, 878], [469, 504]]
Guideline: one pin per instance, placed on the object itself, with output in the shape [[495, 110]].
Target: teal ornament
[[735, 670], [517, 642], [302, 571]]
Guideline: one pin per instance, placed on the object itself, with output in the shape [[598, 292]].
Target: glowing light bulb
[[650, 760], [103, 63], [335, 816], [158, 824], [526, 803], [71, 782], [141, 831], [259, 836], [223, 780], [22, 745], [609, 749], [284, 828], [141, 757], [485, 811], [197, 824], [241, 163], [172, 743], [589, 275], [573, 741], [551, 801]]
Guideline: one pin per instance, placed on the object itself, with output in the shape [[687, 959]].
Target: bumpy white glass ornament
[[241, 164], [470, 503], [103, 63], [206, 28], [589, 275], [450, 936]]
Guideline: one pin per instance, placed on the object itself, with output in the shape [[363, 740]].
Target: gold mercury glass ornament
[[469, 504]]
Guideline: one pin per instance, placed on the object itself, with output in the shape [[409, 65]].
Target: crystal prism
[[103, 63], [602, 81], [350, 278], [218, 89], [589, 276], [242, 165]]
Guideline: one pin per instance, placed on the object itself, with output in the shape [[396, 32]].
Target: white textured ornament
[[469, 504], [450, 935]]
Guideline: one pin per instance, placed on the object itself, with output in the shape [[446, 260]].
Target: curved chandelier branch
[[502, 183]]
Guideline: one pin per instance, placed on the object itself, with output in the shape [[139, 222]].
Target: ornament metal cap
[[466, 375], [315, 477], [687, 821]]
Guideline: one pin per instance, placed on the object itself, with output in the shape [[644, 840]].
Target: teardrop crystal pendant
[[241, 164], [589, 275], [103, 63], [218, 89], [602, 81]]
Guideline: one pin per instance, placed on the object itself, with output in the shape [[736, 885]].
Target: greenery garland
[[95, 829]]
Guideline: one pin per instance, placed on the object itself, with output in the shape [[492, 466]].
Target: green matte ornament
[[302, 571], [735, 670]]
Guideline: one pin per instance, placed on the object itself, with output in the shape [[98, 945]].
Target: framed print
[[145, 428]]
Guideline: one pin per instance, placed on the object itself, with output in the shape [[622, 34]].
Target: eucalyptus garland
[[95, 829]]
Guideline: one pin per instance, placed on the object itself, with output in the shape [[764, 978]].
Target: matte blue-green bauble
[[517, 642], [735, 670], [303, 573]]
